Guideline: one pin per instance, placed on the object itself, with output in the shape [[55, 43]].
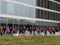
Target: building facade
[[11, 8], [49, 4], [17, 10]]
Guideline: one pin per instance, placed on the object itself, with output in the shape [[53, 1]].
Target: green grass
[[30, 40]]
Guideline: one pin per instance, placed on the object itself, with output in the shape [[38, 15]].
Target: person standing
[[34, 29], [53, 30], [50, 30], [7, 30], [1, 30], [20, 29], [45, 30], [15, 30], [11, 30], [4, 29], [24, 30], [38, 30], [42, 30], [30, 30]]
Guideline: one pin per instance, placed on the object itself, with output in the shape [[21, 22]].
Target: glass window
[[10, 8], [0, 6], [32, 2], [4, 7], [20, 10]]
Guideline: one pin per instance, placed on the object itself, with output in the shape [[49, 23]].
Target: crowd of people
[[7, 30]]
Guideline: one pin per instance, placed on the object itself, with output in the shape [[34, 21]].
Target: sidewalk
[[28, 34], [57, 33]]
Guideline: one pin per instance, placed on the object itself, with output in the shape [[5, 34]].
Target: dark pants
[[7, 33], [30, 32], [20, 31], [10, 31], [53, 32], [1, 33], [50, 32], [45, 32]]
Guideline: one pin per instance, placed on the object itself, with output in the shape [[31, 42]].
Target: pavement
[[57, 33], [28, 34]]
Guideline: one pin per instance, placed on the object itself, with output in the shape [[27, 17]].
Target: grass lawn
[[30, 40]]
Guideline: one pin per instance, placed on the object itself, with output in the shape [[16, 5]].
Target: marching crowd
[[7, 30]]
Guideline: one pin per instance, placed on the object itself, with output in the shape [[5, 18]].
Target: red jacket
[[50, 30]]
